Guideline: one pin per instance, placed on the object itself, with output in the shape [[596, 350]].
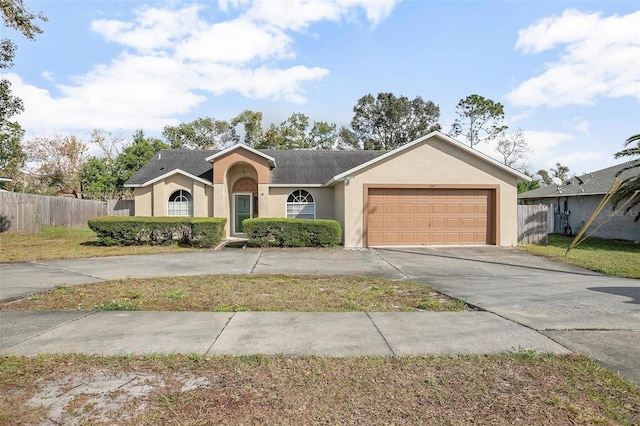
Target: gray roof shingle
[[314, 167], [167, 160], [594, 183], [299, 167]]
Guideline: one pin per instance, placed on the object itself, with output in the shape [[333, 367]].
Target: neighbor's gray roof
[[595, 183], [297, 167]]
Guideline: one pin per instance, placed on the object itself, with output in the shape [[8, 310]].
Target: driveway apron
[[587, 312]]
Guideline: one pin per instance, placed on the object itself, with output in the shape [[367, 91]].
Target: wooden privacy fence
[[532, 224], [25, 213]]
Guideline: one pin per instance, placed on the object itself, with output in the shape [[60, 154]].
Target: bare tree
[[57, 164], [514, 149]]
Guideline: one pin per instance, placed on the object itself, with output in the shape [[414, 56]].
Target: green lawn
[[67, 243], [612, 257]]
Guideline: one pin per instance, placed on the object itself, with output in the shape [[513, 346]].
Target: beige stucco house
[[434, 190]]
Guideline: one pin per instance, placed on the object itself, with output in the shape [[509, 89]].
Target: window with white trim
[[300, 205], [180, 204]]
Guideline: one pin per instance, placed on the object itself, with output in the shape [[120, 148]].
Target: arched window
[[180, 204], [300, 205]]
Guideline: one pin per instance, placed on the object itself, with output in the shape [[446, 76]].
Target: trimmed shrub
[[136, 230], [280, 232]]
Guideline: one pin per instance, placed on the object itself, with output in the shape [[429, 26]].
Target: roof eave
[[271, 160], [560, 194], [292, 185], [341, 177], [166, 175]]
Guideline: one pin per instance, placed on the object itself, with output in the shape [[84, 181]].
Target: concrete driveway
[[586, 312]]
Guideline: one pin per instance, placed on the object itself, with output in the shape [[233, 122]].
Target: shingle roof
[[314, 167], [293, 167], [594, 183], [168, 160]]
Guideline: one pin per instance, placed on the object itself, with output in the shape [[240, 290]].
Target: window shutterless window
[[300, 205], [180, 204]]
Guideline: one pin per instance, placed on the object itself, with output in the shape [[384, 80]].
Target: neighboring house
[[434, 190], [580, 196]]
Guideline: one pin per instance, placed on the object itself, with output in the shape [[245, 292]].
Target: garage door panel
[[391, 208], [407, 208], [429, 216], [408, 223], [376, 224], [407, 237], [422, 223], [453, 208], [437, 223]]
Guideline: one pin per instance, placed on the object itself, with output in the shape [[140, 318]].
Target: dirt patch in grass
[[520, 388], [67, 243], [611, 257], [223, 293]]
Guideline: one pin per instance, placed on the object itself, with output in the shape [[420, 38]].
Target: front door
[[242, 209]]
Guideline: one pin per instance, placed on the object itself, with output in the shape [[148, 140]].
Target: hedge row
[[279, 232], [136, 230]]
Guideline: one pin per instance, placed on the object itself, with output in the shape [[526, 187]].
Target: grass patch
[[226, 293], [192, 389], [611, 257], [67, 243]]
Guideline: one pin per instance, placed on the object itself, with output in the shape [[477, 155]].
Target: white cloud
[[582, 126], [152, 29], [238, 41], [546, 147], [599, 59], [587, 161], [175, 59], [299, 14]]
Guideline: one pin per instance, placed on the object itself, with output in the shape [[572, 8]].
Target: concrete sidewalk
[[544, 301], [269, 333]]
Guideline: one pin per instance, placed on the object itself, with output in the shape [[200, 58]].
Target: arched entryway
[[244, 201]]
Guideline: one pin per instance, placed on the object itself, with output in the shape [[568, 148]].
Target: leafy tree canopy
[[479, 119], [387, 122], [559, 171], [528, 186], [14, 15], [12, 156], [294, 133], [103, 177], [201, 133], [251, 122]]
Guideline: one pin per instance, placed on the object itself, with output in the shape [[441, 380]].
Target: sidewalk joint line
[[255, 265], [220, 334], [87, 314], [66, 270], [535, 330], [393, 354], [389, 263]]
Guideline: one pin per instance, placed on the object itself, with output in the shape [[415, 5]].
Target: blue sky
[[567, 73]]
